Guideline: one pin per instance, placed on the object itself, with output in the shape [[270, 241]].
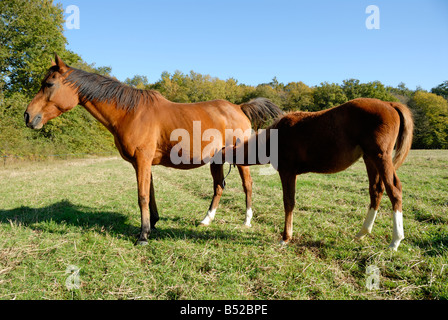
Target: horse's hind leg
[[218, 187], [387, 173], [289, 194], [247, 186], [376, 190]]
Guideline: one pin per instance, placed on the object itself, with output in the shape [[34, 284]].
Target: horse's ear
[[61, 64]]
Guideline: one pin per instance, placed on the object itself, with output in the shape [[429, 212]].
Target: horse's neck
[[105, 113]]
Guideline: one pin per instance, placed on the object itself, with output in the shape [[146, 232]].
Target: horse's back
[[213, 114]]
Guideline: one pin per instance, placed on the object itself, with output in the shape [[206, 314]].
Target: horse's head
[[54, 97]]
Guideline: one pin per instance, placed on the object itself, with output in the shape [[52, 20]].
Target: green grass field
[[84, 213]]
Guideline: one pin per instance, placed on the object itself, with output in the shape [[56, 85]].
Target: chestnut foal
[[330, 141]]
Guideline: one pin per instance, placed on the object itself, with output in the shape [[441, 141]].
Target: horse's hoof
[[394, 246], [203, 225], [283, 243], [360, 236], [141, 243]]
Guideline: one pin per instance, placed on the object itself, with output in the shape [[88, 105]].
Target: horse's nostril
[[27, 117]]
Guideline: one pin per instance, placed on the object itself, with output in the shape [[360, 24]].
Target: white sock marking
[[368, 223], [398, 233], [249, 215], [209, 217]]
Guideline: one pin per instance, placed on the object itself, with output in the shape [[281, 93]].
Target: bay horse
[[142, 122], [330, 141]]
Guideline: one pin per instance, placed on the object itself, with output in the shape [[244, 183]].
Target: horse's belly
[[336, 161]]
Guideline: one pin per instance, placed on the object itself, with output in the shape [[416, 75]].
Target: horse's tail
[[260, 111], [246, 153], [404, 140]]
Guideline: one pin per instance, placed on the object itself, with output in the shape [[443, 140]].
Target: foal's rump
[[383, 126]]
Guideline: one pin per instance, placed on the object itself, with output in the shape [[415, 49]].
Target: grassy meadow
[[63, 213]]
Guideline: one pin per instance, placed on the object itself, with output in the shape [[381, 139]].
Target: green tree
[[298, 96], [431, 120], [328, 95], [233, 92], [138, 82], [441, 89], [354, 89], [30, 32], [173, 87], [377, 90], [401, 92], [266, 91]]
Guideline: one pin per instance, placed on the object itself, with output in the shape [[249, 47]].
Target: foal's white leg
[[248, 219], [368, 224], [209, 217], [398, 233]]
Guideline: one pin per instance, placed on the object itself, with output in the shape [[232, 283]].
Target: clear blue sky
[[255, 40]]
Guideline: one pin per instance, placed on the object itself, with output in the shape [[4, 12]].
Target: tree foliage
[[328, 95], [431, 120], [441, 89], [32, 30]]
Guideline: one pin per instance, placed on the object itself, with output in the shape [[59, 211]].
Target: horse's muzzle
[[33, 124]]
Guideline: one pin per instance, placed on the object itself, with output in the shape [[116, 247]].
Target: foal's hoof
[[141, 243], [359, 236], [393, 248], [394, 245], [203, 225]]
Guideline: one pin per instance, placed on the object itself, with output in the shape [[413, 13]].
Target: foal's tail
[[404, 140], [260, 111]]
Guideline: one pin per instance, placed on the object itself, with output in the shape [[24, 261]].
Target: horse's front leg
[[218, 187], [142, 167], [289, 192], [154, 214]]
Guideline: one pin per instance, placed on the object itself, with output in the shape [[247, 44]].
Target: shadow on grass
[[206, 234], [61, 216], [65, 213]]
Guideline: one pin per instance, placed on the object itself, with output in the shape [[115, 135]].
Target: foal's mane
[[95, 87]]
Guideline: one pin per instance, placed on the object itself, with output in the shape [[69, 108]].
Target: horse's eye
[[49, 84]]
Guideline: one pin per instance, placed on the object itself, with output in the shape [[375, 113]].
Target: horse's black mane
[[95, 87]]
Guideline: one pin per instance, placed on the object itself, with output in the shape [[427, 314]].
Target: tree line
[[32, 30]]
